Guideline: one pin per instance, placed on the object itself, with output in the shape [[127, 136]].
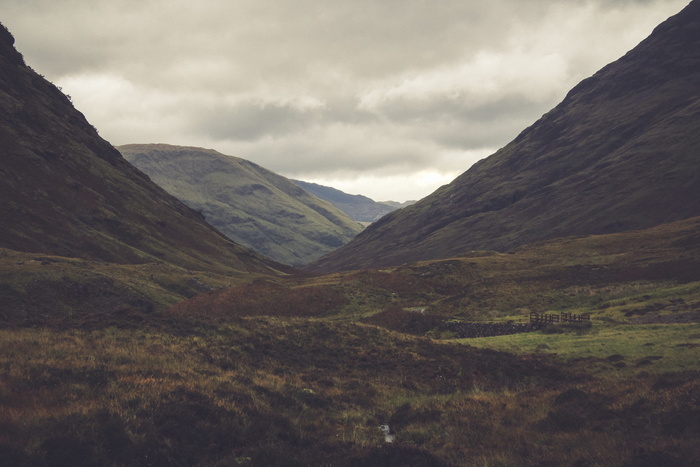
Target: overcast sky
[[386, 98]]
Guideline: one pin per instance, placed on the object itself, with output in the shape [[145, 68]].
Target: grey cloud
[[251, 120], [490, 125], [342, 148], [361, 38], [323, 86]]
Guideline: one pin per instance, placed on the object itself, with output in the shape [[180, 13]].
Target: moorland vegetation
[[303, 370], [132, 333]]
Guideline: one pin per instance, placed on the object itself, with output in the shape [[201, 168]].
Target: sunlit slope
[[249, 204]]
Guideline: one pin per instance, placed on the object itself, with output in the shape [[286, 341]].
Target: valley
[[133, 332], [302, 370]]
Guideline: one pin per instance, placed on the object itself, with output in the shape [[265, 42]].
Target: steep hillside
[[620, 152], [249, 204], [358, 207], [68, 193]]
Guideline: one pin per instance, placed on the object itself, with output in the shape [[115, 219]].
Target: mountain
[[249, 204], [71, 204], [358, 207], [291, 369], [620, 152], [397, 204]]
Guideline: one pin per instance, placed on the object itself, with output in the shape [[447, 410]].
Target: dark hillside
[[68, 192], [619, 153]]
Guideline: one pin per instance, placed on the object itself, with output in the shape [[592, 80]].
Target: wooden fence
[[550, 318], [572, 318]]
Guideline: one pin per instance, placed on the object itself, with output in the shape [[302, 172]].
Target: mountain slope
[[358, 207], [68, 192], [249, 204], [620, 152]]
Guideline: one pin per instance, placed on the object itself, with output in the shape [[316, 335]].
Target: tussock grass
[[279, 391], [280, 370], [52, 290]]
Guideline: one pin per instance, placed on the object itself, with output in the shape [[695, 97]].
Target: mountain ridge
[[618, 153], [359, 207]]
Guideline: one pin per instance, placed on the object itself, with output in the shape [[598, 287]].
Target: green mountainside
[[249, 204], [358, 207], [620, 152]]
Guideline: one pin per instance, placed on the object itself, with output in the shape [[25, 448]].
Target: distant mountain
[[249, 204], [358, 207], [67, 192], [397, 204], [620, 152]]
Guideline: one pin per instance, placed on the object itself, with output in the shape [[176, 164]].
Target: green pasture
[[623, 349]]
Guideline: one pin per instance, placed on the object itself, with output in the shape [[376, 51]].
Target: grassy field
[[284, 391], [610, 349]]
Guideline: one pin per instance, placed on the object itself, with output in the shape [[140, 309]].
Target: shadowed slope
[[619, 153], [68, 192]]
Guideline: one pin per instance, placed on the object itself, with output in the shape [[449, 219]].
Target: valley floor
[[274, 391], [110, 365]]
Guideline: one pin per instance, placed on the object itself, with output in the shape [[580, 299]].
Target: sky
[[385, 98]]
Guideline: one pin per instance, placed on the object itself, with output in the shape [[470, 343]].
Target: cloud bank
[[389, 99]]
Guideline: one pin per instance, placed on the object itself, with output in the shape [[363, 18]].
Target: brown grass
[[280, 371], [289, 391]]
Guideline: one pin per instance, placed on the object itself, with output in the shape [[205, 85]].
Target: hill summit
[[251, 205], [619, 153]]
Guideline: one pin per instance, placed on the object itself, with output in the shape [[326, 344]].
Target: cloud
[[251, 119], [484, 78], [385, 96], [118, 106]]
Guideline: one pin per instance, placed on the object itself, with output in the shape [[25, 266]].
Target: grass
[[615, 349], [654, 282], [52, 290], [302, 370], [281, 391]]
